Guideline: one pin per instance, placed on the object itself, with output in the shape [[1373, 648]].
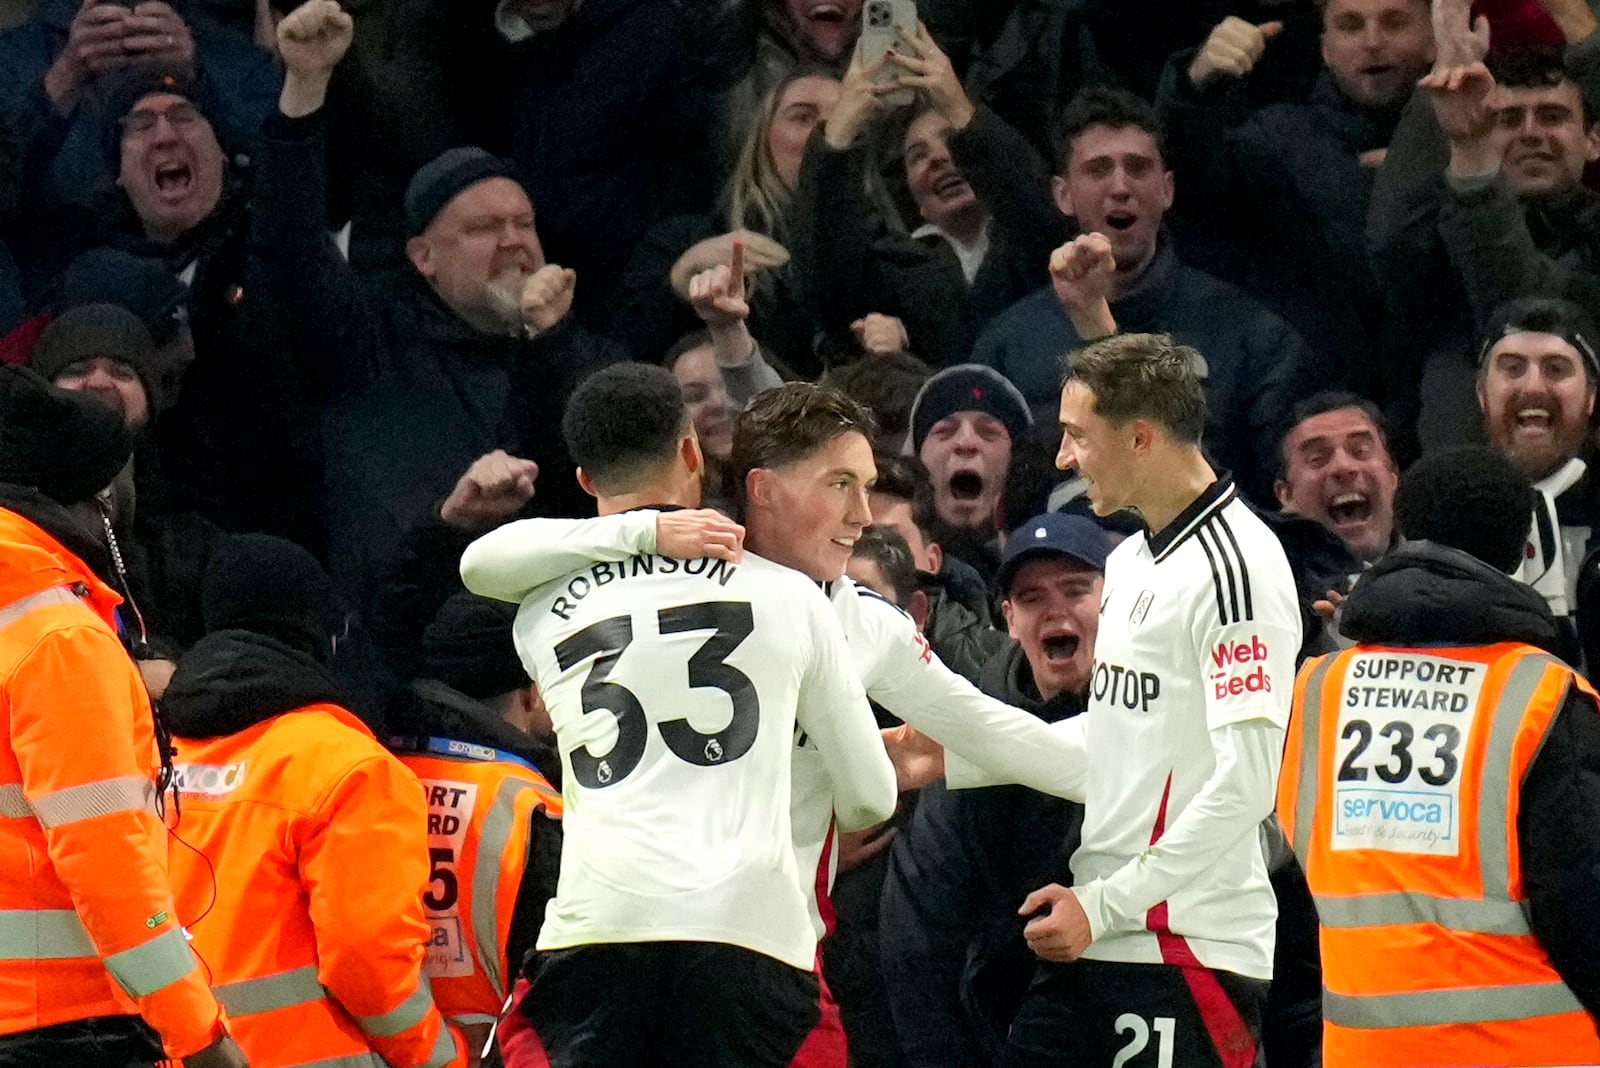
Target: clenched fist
[[493, 490], [1082, 271], [881, 335], [547, 297], [1233, 50], [314, 37]]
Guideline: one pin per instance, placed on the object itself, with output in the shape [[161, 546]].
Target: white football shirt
[[677, 689]]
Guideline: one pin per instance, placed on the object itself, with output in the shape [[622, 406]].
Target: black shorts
[[1096, 1014], [100, 1042], [683, 1004]]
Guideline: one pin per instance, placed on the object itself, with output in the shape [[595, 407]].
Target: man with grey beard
[[475, 351]]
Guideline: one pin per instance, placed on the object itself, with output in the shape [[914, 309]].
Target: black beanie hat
[[437, 182], [468, 647], [111, 276], [1472, 499], [99, 330], [968, 387], [65, 445], [1545, 315], [131, 85], [270, 586]]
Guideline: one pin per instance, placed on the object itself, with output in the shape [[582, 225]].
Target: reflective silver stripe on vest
[[354, 1060], [497, 828], [1459, 1005], [402, 1017], [126, 793], [1377, 910], [43, 934], [444, 1050], [470, 1019], [270, 992], [43, 599], [14, 803], [154, 965], [1310, 770], [1493, 840]]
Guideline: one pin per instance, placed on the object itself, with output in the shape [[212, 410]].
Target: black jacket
[[607, 117], [1257, 366], [1423, 594], [415, 394], [1286, 183], [849, 263], [954, 960]]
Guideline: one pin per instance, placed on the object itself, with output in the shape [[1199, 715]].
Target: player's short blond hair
[[1145, 376]]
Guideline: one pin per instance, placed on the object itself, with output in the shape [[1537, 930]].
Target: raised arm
[[334, 321]]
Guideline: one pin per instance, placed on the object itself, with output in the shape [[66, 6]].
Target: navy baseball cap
[[1053, 534]]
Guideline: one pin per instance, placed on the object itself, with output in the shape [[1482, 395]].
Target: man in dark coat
[[1114, 181], [954, 960], [477, 351], [1289, 182]]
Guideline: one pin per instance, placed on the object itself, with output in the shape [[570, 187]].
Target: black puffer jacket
[[954, 961], [1424, 594]]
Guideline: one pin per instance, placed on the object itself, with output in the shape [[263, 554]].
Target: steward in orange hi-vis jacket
[[473, 726], [300, 849], [89, 936], [1440, 788]]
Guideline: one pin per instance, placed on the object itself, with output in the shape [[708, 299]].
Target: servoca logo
[[213, 779], [1241, 668]]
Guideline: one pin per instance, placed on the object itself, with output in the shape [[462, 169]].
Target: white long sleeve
[[902, 674], [511, 562], [1231, 805]]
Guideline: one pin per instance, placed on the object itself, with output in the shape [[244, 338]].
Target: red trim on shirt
[[1231, 1036]]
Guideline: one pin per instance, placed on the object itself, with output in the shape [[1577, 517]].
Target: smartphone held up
[[883, 23]]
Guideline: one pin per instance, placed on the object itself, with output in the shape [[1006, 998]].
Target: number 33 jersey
[[676, 689]]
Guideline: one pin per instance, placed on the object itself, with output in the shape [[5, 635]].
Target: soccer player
[[1171, 916], [801, 496], [679, 932]]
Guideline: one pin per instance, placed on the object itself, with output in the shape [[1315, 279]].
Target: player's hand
[[1059, 930], [717, 295], [547, 297], [918, 760], [1232, 51], [494, 489], [858, 847], [881, 335], [696, 533], [223, 1053]]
